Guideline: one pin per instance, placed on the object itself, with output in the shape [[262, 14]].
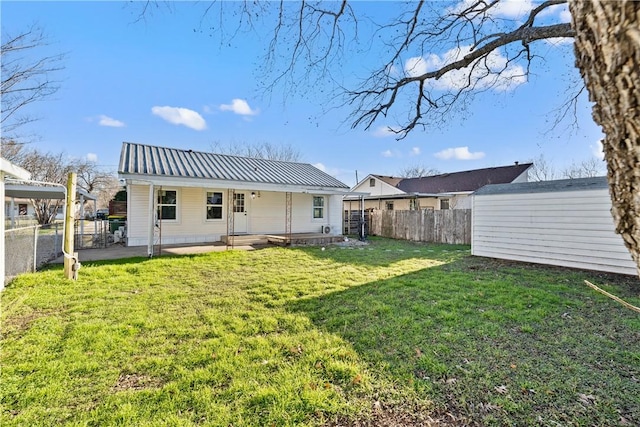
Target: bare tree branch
[[24, 79]]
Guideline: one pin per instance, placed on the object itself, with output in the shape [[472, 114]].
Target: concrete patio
[[117, 251]]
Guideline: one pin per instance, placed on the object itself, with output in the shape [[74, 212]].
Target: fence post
[[55, 241], [69, 260]]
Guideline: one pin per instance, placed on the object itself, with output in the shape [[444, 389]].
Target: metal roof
[[577, 184], [465, 181], [140, 159]]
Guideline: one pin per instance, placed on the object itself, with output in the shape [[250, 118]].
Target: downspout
[[151, 222]]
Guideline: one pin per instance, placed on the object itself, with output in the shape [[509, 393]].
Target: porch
[[293, 239]]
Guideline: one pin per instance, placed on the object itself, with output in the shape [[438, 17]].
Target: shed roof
[[463, 181], [140, 159], [577, 184], [38, 191]]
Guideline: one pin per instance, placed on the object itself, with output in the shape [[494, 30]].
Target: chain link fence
[[91, 234], [28, 248]]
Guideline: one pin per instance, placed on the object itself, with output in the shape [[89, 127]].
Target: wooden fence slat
[[443, 226]]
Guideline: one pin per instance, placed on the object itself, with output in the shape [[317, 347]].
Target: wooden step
[[245, 239]]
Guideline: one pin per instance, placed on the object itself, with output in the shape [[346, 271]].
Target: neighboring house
[[192, 197], [18, 203], [565, 222], [15, 207], [444, 191]]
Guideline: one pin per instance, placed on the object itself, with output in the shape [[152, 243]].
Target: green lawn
[[393, 333]]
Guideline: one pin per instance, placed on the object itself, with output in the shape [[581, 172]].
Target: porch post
[[151, 221], [362, 221], [288, 217], [230, 213]]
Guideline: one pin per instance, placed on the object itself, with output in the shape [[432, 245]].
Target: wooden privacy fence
[[444, 226]]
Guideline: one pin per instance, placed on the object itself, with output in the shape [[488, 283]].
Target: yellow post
[[69, 260]]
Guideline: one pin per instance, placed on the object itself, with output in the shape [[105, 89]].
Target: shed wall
[[564, 228]]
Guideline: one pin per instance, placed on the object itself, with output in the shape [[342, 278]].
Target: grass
[[393, 333]]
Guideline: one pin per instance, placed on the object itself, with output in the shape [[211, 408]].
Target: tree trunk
[[607, 47]]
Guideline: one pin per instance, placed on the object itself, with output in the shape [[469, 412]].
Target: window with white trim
[[318, 207], [214, 205], [388, 206], [444, 204], [372, 182], [167, 205]]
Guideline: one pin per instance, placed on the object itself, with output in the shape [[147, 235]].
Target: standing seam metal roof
[[160, 161]]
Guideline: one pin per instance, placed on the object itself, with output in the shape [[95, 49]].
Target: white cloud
[[459, 153], [109, 122], [344, 175], [320, 166], [387, 153], [415, 151], [92, 157], [483, 76], [597, 150], [180, 116], [559, 13], [383, 132], [239, 106], [511, 9]]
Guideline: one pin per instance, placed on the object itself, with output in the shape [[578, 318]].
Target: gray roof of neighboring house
[[463, 181], [577, 184], [139, 159]]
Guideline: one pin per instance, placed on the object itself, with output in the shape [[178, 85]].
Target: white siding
[[265, 215], [565, 228], [381, 188]]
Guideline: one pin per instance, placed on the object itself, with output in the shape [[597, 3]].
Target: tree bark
[[607, 47]]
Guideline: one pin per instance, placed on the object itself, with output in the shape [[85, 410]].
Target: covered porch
[[282, 239]]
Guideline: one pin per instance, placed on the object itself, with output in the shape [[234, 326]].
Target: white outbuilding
[[565, 222]]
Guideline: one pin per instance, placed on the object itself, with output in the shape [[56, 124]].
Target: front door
[[239, 213]]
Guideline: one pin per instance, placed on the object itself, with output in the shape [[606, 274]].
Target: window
[[318, 207], [167, 205], [414, 204], [22, 209], [444, 204], [214, 205], [238, 202], [388, 206], [372, 182]]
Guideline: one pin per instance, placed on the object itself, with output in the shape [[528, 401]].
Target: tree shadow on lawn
[[492, 342]]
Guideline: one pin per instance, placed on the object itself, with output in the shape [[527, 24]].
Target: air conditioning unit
[[326, 229]]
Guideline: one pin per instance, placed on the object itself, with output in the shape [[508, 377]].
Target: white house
[[444, 191], [564, 222], [192, 197]]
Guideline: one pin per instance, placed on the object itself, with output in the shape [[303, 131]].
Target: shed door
[[239, 213]]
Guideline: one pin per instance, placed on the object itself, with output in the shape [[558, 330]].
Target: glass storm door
[[239, 213]]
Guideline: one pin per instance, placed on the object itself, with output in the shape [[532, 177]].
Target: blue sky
[[167, 80]]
